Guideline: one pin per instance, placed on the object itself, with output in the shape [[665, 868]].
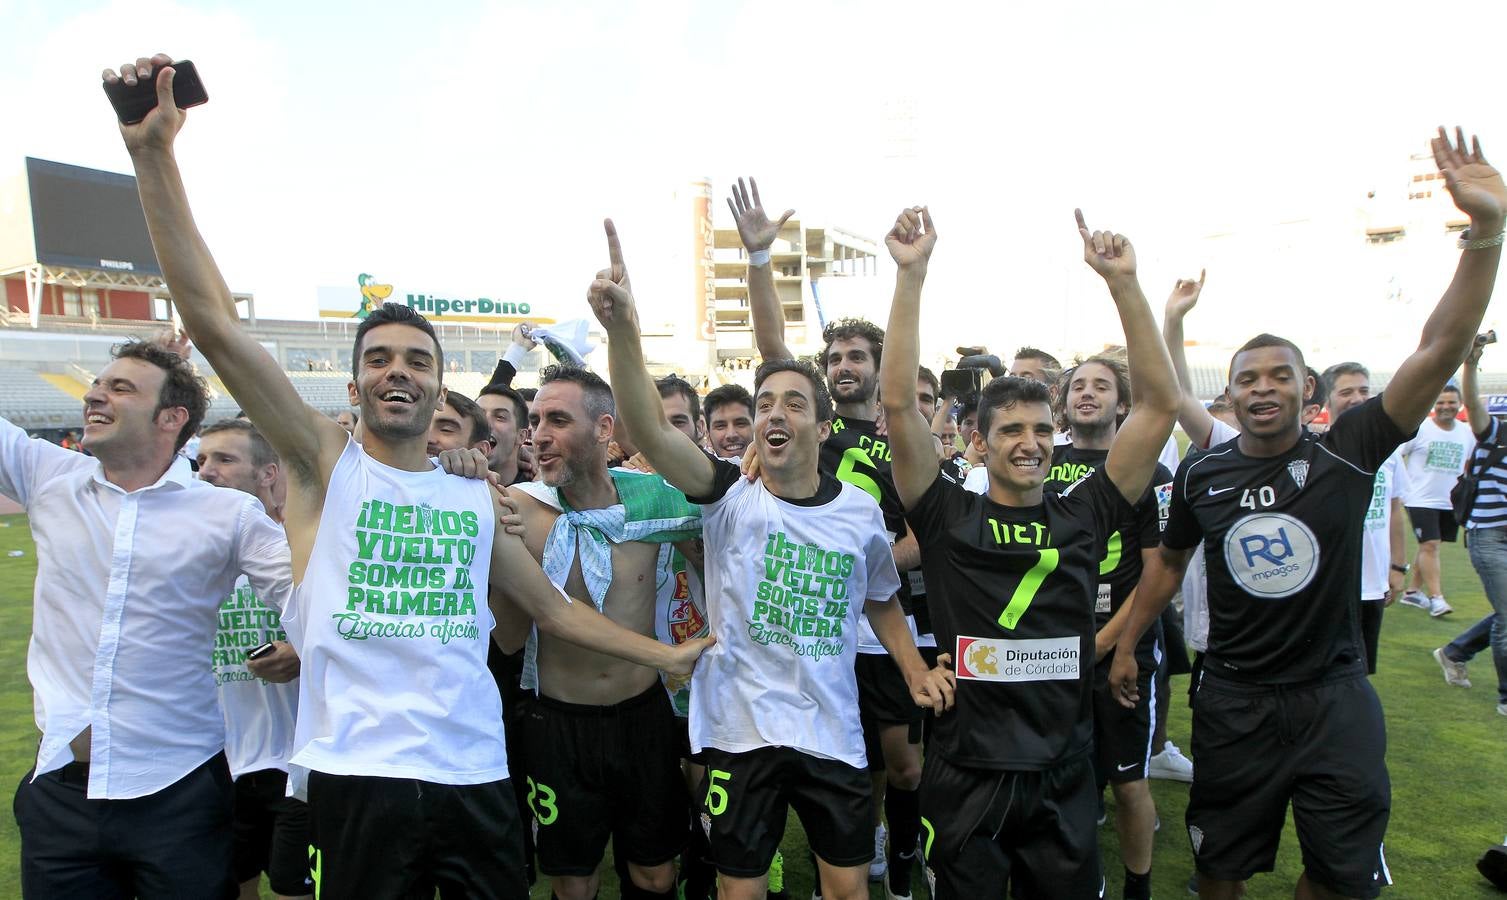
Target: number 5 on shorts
[[716, 794], [1025, 592]]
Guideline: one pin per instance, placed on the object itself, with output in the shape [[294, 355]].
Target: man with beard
[[258, 695], [793, 559], [855, 452], [1094, 403], [1009, 788], [399, 721], [1284, 713], [601, 745], [729, 420]]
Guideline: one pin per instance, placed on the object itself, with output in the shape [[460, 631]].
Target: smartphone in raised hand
[[133, 102]]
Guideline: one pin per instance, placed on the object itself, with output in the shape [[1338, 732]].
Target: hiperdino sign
[[369, 293]]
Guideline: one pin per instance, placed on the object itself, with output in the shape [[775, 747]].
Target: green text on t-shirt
[[411, 561], [802, 601]]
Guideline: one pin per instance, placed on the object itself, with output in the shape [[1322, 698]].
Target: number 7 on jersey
[[1025, 592]]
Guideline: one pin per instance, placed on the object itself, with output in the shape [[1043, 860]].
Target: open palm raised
[[754, 225], [1475, 184]]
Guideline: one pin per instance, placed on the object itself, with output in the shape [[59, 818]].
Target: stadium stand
[[37, 397], [31, 401]]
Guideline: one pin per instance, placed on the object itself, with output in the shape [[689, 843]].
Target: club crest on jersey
[[1042, 659], [1298, 469], [1271, 555]]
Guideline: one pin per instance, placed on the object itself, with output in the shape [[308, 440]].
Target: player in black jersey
[[1094, 400], [1284, 711], [1008, 790], [854, 452]]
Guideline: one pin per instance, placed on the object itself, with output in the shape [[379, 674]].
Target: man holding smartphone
[[399, 721], [256, 670]]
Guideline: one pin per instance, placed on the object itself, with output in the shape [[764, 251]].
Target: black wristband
[[1403, 569]]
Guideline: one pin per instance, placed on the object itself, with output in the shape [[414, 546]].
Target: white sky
[[473, 148]]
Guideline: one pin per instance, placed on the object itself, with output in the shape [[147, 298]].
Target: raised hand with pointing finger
[[1107, 253], [611, 294]]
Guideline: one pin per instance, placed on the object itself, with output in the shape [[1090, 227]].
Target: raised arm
[[1478, 191], [1154, 394], [518, 347], [913, 459], [309, 442], [1470, 389], [758, 234], [674, 456], [1197, 424]]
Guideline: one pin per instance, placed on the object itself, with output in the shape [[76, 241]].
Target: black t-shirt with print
[[1282, 543], [1012, 599], [1120, 563], [855, 452]]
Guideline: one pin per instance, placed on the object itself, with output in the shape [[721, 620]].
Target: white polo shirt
[[125, 607]]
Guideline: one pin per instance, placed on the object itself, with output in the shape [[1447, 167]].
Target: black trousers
[[174, 843]]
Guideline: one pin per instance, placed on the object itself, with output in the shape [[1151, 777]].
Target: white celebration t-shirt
[[259, 715], [391, 624], [786, 585], [1435, 459]]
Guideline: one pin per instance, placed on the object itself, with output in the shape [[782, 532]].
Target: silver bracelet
[[1466, 242], [761, 257]]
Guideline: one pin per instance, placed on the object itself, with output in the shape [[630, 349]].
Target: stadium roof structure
[[79, 228]]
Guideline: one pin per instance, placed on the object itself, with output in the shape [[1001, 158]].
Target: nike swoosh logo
[[1214, 493], [1129, 767]]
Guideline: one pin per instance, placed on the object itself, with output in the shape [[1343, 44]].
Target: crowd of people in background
[[456, 644]]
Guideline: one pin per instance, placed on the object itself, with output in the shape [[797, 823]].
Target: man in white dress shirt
[[131, 794]]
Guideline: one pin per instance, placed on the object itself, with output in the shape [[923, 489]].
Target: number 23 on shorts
[[716, 794], [541, 800]]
